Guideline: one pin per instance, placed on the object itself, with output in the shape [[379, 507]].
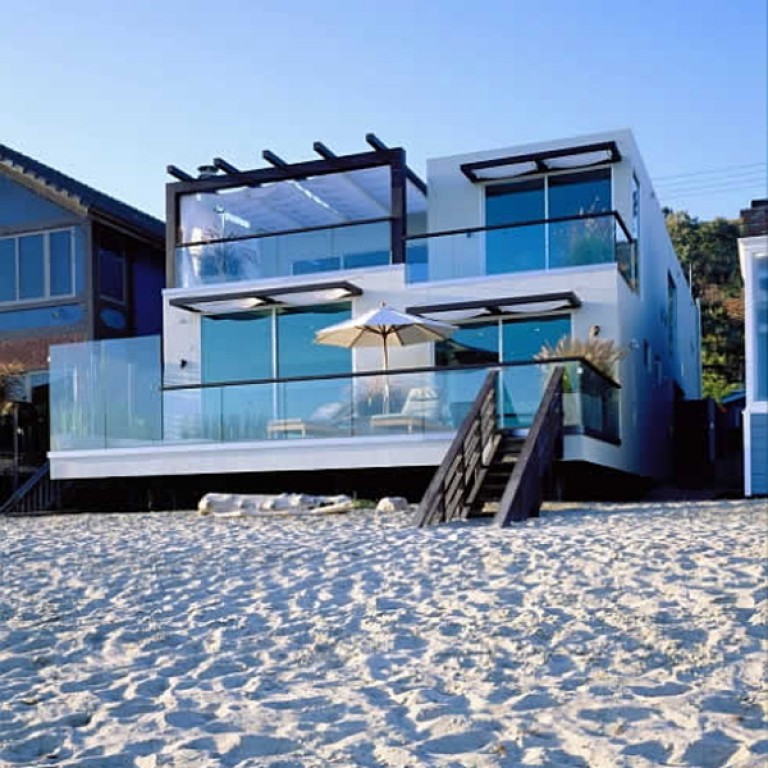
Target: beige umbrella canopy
[[385, 327]]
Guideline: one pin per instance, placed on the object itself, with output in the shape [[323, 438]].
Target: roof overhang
[[246, 301], [529, 163], [535, 304]]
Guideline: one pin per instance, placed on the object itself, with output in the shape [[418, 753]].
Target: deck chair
[[421, 412], [327, 420]]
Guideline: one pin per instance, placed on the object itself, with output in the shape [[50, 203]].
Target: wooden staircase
[[491, 471], [497, 474]]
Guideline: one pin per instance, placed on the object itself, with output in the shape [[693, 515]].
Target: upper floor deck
[[554, 209]]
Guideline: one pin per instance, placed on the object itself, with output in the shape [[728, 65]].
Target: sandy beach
[[602, 636]]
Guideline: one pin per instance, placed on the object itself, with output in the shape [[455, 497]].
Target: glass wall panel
[[519, 248], [8, 269], [298, 253], [31, 267], [61, 263], [105, 394], [297, 353], [523, 339], [283, 206], [237, 347], [581, 241], [471, 344], [576, 194]]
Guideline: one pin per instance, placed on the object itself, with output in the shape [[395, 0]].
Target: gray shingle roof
[[91, 198]]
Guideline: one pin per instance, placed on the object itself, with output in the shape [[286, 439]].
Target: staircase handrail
[[521, 498], [431, 510], [17, 498]]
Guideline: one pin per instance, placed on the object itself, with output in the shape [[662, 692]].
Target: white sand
[[616, 636]]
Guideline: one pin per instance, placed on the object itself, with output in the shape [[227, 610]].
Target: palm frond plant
[[604, 354]]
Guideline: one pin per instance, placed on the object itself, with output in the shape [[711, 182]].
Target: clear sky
[[112, 91]]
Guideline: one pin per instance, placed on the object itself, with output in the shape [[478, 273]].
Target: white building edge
[[516, 246], [753, 258]]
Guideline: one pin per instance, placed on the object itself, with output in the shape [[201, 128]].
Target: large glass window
[[580, 240], [36, 266], [504, 339], [271, 344], [31, 267], [518, 248], [237, 347], [471, 344], [297, 353]]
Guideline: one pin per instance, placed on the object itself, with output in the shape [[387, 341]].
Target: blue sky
[[111, 92]]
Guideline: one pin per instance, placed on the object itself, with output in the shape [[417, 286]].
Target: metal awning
[[246, 301], [541, 162], [535, 304]]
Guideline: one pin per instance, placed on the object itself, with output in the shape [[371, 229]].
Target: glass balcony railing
[[327, 249], [540, 245], [108, 395]]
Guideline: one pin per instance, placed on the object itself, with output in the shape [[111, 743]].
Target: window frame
[[47, 297]]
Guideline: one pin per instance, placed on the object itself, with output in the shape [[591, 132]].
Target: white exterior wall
[[455, 203], [628, 318], [753, 252]]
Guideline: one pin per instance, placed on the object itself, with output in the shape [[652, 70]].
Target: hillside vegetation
[[708, 251]]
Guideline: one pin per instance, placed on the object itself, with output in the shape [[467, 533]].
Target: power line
[[721, 169], [745, 176]]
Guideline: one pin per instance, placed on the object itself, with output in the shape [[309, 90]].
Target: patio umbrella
[[387, 327]]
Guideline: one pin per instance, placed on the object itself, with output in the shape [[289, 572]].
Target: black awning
[[541, 162], [537, 304], [246, 301]]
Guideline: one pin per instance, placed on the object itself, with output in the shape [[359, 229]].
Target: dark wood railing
[[522, 496], [37, 494], [459, 476]]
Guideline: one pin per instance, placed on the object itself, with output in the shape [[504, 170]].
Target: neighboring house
[[75, 265], [518, 247], [753, 256]]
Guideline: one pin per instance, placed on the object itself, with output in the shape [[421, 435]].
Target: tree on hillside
[[708, 251]]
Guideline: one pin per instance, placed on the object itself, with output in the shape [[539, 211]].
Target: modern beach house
[[75, 265], [753, 257], [519, 248]]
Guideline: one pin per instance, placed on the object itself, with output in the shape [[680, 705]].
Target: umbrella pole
[[386, 376]]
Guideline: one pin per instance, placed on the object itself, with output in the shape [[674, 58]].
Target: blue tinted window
[[237, 347], [472, 344], [298, 355], [514, 203], [61, 263], [7, 269], [518, 248], [523, 339], [574, 194], [31, 272]]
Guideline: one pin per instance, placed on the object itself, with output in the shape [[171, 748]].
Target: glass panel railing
[[572, 242], [590, 402], [292, 253], [105, 394]]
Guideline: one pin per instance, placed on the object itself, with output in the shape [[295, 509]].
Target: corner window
[[671, 312], [37, 266]]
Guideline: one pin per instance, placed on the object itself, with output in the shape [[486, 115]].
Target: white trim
[[47, 296], [307, 454]]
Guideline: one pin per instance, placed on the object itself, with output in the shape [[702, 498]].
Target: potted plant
[[603, 354]]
